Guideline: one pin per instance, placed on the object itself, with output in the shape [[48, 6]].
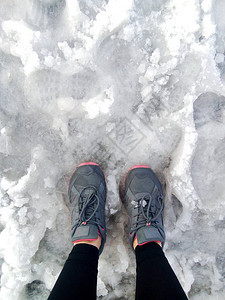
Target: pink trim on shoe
[[149, 242], [82, 240], [139, 166], [88, 163]]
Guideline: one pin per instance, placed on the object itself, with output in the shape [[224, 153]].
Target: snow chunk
[[21, 40], [66, 104], [98, 105]]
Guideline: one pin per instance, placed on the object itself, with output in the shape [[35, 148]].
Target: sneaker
[[144, 201], [87, 196]]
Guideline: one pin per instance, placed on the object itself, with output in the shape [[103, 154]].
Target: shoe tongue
[[148, 234], [87, 193], [86, 232], [141, 195], [144, 203]]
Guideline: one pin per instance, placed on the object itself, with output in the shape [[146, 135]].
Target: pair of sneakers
[[143, 200]]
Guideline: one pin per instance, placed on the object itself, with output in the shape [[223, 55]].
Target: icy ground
[[118, 82]]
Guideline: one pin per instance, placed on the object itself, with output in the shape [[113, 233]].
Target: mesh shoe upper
[[87, 196], [144, 201]]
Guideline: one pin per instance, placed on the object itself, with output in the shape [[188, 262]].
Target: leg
[[78, 279], [87, 195], [144, 200], [155, 277]]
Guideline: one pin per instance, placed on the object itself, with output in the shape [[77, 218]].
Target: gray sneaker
[[87, 196], [144, 201]]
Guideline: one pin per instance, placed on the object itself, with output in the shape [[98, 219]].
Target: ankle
[[135, 243], [96, 243]]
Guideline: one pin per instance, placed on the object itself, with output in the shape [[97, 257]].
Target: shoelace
[[88, 205], [145, 215]]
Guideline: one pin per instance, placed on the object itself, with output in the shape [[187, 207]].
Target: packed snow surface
[[117, 82]]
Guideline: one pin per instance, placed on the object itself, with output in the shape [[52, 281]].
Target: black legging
[[155, 278]]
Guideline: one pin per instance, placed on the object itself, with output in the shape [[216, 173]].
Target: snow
[[119, 83]]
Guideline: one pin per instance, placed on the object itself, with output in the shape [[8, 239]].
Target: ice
[[218, 12], [209, 112], [35, 290], [119, 83]]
